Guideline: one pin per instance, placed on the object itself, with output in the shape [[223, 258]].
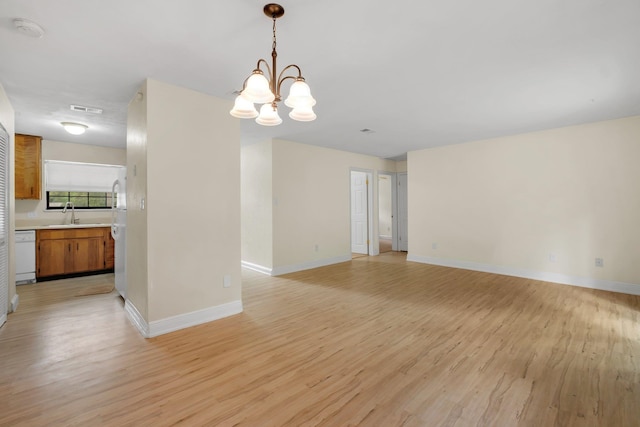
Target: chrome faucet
[[73, 211]]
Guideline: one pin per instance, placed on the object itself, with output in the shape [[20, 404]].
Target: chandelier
[[258, 89]]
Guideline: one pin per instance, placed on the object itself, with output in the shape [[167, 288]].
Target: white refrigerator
[[119, 230]]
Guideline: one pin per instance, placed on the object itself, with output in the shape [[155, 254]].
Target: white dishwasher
[[25, 257]]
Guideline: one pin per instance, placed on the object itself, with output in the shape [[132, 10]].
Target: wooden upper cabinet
[[28, 166]]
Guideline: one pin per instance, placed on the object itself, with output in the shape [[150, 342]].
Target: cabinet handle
[[69, 247], [77, 246]]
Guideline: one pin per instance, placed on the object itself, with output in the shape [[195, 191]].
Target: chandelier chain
[[274, 34]]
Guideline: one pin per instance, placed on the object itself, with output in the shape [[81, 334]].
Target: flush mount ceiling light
[[74, 128], [28, 28], [257, 89]]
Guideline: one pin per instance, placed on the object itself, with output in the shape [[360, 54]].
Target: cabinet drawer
[[75, 233]]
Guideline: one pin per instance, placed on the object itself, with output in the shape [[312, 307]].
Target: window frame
[[106, 194]]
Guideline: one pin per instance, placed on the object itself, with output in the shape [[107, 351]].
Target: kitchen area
[[70, 211], [174, 278]]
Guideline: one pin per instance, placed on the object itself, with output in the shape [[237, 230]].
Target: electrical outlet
[[553, 258], [316, 247], [226, 281], [434, 245], [599, 262]]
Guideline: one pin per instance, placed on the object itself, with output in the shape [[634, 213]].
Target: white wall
[[57, 150], [542, 204], [186, 155], [193, 184], [136, 231], [7, 118], [257, 204], [311, 193]]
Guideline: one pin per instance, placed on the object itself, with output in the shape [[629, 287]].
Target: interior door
[[359, 213], [4, 225], [403, 242]]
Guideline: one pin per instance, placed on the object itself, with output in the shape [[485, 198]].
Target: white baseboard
[[181, 321], [286, 269], [174, 323], [136, 318], [14, 302], [584, 282], [384, 237], [256, 267]]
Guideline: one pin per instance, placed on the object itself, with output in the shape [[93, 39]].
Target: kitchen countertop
[[60, 226]]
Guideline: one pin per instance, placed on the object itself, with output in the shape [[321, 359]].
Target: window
[[80, 200], [86, 185]]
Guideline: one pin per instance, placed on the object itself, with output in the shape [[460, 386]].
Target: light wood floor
[[385, 245], [374, 342]]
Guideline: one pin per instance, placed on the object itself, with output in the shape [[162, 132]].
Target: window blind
[[73, 176]]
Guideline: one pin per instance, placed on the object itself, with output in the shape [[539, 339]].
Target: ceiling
[[417, 73]]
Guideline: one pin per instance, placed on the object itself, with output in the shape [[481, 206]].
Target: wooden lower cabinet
[[109, 250], [72, 251], [51, 257], [85, 255]]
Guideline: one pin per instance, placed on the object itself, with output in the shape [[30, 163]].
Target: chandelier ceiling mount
[[273, 10]]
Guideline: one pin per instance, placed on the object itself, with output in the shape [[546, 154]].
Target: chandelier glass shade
[[265, 90], [268, 116], [244, 109]]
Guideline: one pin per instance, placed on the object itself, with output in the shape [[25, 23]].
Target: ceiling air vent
[[84, 109], [367, 130]]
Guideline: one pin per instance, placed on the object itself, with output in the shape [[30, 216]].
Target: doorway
[[403, 228], [387, 223], [361, 213]]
